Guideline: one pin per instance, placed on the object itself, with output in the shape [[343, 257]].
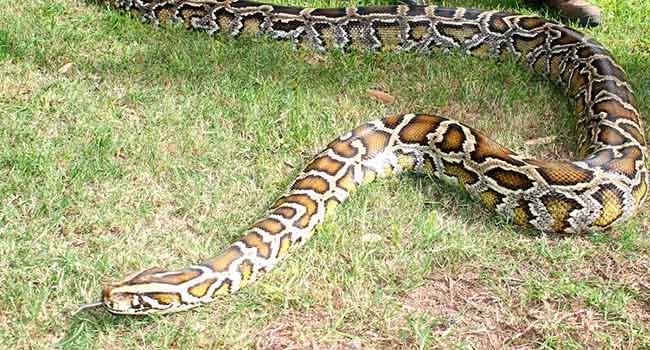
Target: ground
[[125, 146]]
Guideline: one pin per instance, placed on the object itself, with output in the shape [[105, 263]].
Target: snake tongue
[[83, 307]]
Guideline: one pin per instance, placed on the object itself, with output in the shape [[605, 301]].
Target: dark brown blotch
[[562, 173], [374, 142], [418, 128], [452, 140], [567, 36], [325, 164], [286, 212], [311, 182], [497, 24], [254, 240], [486, 149], [510, 179], [530, 23], [392, 121], [445, 12], [605, 66], [614, 110], [270, 225], [610, 136], [222, 262]]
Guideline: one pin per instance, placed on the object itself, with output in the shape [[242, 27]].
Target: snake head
[[143, 293]]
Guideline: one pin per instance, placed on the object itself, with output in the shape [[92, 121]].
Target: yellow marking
[[392, 121], [639, 192], [389, 36], [525, 46], [419, 31], [490, 198], [429, 167], [330, 206], [610, 136], [531, 22], [483, 49], [510, 179], [559, 210], [578, 80], [166, 298], [251, 26], [224, 23], [580, 105], [624, 165], [520, 216], [200, 289], [369, 176], [177, 278], [613, 107], [327, 34], [459, 33], [223, 289], [164, 16], [485, 148], [388, 170], [499, 24], [458, 171], [347, 182], [356, 38], [561, 172], [188, 14], [539, 65], [285, 244], [612, 208], [407, 162], [246, 270], [634, 132], [555, 64]]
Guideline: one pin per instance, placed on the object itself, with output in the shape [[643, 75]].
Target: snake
[[605, 187]]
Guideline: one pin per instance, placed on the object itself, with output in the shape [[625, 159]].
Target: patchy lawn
[[125, 146]]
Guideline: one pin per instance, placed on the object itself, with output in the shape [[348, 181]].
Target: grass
[[125, 146]]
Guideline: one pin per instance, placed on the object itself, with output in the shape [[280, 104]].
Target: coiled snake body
[[604, 188]]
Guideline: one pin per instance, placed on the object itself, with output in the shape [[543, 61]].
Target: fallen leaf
[[65, 68], [540, 140], [381, 96]]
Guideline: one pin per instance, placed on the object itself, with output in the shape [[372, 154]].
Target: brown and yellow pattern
[[606, 187]]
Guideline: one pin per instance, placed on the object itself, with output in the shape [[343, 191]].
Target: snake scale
[[606, 187]]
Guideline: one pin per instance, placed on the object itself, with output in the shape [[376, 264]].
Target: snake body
[[607, 186]]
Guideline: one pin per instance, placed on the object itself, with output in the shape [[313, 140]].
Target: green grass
[[158, 146]]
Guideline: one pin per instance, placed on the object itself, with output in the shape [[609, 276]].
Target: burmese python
[[604, 188]]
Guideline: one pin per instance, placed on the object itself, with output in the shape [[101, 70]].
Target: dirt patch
[[317, 329], [466, 308], [472, 311]]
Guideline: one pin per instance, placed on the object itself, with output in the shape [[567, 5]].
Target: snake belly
[[606, 187]]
